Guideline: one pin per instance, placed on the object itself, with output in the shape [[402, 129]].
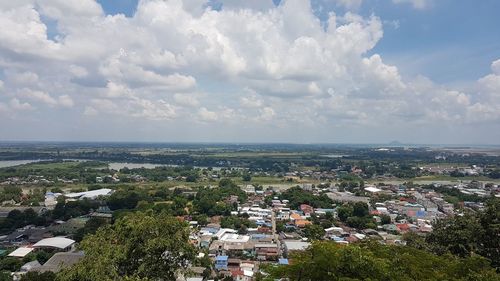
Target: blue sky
[[363, 71]]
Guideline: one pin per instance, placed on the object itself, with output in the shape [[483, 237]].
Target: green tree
[[314, 232], [374, 261], [469, 234], [139, 246], [360, 209], [35, 276], [385, 219], [345, 211], [246, 177]]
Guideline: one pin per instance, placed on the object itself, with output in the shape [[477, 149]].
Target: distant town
[[243, 220]]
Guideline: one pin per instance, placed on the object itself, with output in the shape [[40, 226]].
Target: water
[[113, 165], [11, 163], [120, 165]]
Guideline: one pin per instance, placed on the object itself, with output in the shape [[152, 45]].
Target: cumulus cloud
[[250, 61], [186, 100], [417, 4], [206, 115], [17, 105]]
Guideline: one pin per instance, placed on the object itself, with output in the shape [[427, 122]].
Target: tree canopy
[[374, 261], [139, 246]]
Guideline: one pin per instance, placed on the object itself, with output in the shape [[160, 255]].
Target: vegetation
[[297, 196], [467, 235], [356, 215], [140, 246], [374, 261]]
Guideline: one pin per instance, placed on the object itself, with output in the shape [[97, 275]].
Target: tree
[[138, 246], [35, 276], [90, 227], [385, 219], [344, 212], [246, 177], [469, 234], [374, 261], [314, 232], [10, 264], [360, 209]]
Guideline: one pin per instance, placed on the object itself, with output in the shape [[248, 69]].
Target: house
[[60, 261], [306, 209], [28, 234], [21, 252], [30, 266], [221, 262], [302, 223], [266, 251], [295, 216], [249, 189], [93, 194], [59, 243], [291, 246]]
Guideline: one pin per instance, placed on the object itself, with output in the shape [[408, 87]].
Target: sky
[[293, 71]]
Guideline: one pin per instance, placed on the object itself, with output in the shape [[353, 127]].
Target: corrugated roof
[[21, 252], [54, 242]]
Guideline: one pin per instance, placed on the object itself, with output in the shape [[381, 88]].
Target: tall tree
[[139, 246]]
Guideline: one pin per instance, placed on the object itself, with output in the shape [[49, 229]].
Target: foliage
[[35, 276], [314, 232], [374, 261], [91, 227], [297, 196], [385, 219], [212, 201], [139, 246], [126, 199], [10, 264], [73, 209], [16, 219], [469, 234], [355, 215], [236, 222], [246, 177]]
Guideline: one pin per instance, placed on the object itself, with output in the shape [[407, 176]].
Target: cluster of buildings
[[31, 239]]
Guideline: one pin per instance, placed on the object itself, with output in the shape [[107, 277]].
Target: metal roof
[[54, 242], [21, 252]]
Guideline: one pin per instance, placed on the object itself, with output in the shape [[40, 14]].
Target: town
[[241, 220]]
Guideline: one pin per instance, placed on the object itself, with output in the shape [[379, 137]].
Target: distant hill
[[396, 143]]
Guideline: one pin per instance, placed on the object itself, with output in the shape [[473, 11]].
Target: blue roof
[[221, 258], [283, 261]]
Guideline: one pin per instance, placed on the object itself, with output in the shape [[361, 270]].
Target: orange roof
[[403, 226], [295, 216], [302, 223]]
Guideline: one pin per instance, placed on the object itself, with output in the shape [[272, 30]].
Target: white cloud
[[90, 111], [38, 96], [159, 110], [417, 4], [251, 101], [186, 100], [247, 62], [266, 114], [495, 67], [206, 115], [350, 4], [17, 105], [65, 101]]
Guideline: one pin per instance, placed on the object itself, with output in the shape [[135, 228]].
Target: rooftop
[[54, 242]]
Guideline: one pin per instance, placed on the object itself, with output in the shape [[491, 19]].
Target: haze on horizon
[[292, 71]]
